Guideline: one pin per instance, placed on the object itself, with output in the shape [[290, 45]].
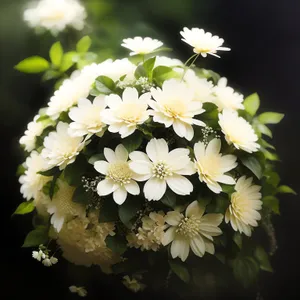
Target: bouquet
[[153, 169]]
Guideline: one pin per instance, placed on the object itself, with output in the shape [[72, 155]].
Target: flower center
[[161, 170], [175, 108], [188, 227], [119, 172]]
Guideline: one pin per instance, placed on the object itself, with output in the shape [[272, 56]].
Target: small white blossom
[[238, 131], [53, 260], [203, 42], [139, 45], [80, 291], [162, 168], [38, 255], [124, 114], [47, 262]]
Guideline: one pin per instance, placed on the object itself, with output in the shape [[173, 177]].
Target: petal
[[113, 101], [198, 245], [154, 189], [141, 167], [212, 219], [120, 195], [157, 149], [180, 248], [199, 150], [179, 184], [213, 147], [138, 155], [106, 187], [209, 247], [121, 153], [110, 155], [168, 236], [189, 169], [130, 94], [195, 209], [179, 128], [215, 187], [101, 166], [225, 179], [178, 158], [173, 218], [132, 188]]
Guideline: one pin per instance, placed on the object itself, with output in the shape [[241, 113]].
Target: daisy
[[226, 97], [119, 178], [203, 42], [167, 61], [86, 117], [162, 168], [192, 230], [124, 114], [61, 149], [238, 131], [140, 45], [212, 166], [244, 205], [174, 106]]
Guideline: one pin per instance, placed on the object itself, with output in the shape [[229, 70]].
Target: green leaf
[[105, 85], [95, 158], [50, 172], [270, 118], [24, 208], [273, 178], [263, 259], [284, 189], [269, 155], [20, 170], [265, 144], [33, 64], [245, 270], [253, 165], [50, 74], [169, 199], [149, 65], [238, 239], [208, 74], [133, 142], [81, 196], [53, 186], [272, 203], [264, 130], [251, 104], [108, 211], [180, 270], [116, 243], [50, 188], [56, 54], [140, 71], [162, 73], [73, 172], [84, 44], [68, 60], [129, 209], [36, 237]]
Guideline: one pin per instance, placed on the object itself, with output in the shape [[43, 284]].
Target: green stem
[[186, 68]]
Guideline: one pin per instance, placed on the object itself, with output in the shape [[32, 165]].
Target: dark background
[[265, 39]]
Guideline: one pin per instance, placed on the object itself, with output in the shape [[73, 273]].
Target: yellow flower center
[[119, 172], [189, 227], [161, 170], [55, 16], [175, 108]]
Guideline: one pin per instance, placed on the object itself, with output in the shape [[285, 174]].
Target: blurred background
[[265, 40]]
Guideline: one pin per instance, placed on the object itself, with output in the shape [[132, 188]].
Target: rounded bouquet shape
[[154, 170]]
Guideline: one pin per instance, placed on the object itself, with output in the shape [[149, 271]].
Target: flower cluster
[[43, 256], [135, 158]]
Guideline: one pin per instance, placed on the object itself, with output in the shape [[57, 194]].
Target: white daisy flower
[[174, 106], [86, 117], [161, 168], [124, 114], [226, 97], [61, 149], [139, 45], [120, 179], [203, 42], [212, 166], [80, 291], [238, 131], [243, 210], [32, 182], [56, 15], [167, 61], [194, 230]]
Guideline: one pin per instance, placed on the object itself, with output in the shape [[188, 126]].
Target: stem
[[186, 68]]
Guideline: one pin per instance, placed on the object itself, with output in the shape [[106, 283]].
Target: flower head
[[139, 45], [56, 15], [119, 178], [86, 117], [38, 255], [226, 97], [174, 106], [242, 212], [167, 61], [238, 131], [194, 230], [162, 168], [61, 149], [124, 114], [203, 42], [212, 166]]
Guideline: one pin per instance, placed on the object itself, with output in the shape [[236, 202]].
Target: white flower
[[140, 45], [72, 90], [124, 114], [31, 181], [86, 117], [80, 291], [34, 129], [203, 42], [119, 179], [38, 255], [174, 106], [202, 87], [62, 207], [61, 149], [133, 284], [56, 15], [161, 168], [167, 61], [47, 262], [226, 97], [238, 131], [53, 260], [212, 166], [193, 231], [242, 212]]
